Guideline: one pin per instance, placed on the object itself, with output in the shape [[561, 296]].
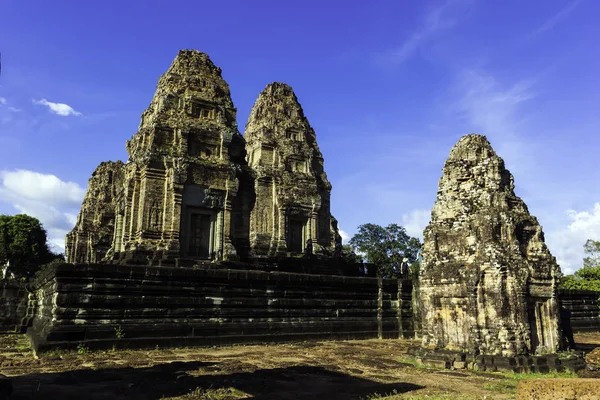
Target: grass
[[537, 375], [506, 384], [566, 354], [22, 347], [509, 385], [82, 349], [381, 396], [56, 353], [211, 394], [436, 396], [119, 332]]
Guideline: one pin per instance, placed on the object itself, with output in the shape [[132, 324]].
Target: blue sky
[[389, 87]]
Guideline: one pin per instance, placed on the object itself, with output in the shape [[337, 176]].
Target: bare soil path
[[362, 369]]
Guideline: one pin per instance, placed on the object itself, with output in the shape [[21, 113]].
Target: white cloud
[[555, 19], [46, 197], [437, 19], [58, 108], [415, 222], [3, 101], [567, 244], [495, 109], [13, 109], [345, 236], [46, 188], [488, 104]]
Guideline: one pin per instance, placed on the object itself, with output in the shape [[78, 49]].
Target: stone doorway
[[295, 242], [200, 232], [540, 322]]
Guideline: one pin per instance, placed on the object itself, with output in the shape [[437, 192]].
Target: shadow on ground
[[586, 347], [177, 379]]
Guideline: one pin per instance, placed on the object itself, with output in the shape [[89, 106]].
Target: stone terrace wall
[[584, 307], [13, 306], [196, 307]]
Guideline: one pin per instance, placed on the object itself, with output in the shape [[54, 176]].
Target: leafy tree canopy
[[385, 247], [349, 256], [23, 244], [588, 277]]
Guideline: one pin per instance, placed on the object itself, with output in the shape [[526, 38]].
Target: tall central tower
[[180, 179]]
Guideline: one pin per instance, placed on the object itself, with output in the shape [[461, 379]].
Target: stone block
[[573, 364], [525, 361], [540, 361], [505, 363], [479, 366], [6, 387], [542, 369], [442, 364]]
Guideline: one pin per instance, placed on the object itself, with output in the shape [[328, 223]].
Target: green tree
[[23, 244], [349, 256], [385, 247], [588, 276]]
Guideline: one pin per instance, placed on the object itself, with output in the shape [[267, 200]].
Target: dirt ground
[[365, 369]]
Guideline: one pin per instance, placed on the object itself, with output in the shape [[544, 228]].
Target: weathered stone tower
[[292, 190], [180, 178], [92, 236], [187, 191], [488, 281]]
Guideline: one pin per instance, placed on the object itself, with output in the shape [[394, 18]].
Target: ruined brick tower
[[92, 236], [488, 281], [187, 191], [292, 190]]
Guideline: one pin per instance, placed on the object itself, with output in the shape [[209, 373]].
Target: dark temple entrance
[[295, 242], [199, 235]]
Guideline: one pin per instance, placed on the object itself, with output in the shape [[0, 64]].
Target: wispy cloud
[[440, 18], [58, 108], [4, 102], [487, 103], [495, 109], [555, 19]]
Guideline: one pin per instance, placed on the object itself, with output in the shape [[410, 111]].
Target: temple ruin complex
[[487, 282], [194, 188], [195, 191]]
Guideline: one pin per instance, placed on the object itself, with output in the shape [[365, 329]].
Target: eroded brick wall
[[585, 309], [13, 306], [163, 306]]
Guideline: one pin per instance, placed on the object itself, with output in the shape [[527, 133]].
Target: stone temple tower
[[292, 191], [92, 236], [193, 190], [487, 281], [180, 179]]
